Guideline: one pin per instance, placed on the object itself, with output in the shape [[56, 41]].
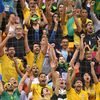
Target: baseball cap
[[34, 17]]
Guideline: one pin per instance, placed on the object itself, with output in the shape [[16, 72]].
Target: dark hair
[[65, 37], [42, 91], [11, 14], [91, 82], [88, 23], [77, 78], [58, 6], [41, 74], [36, 43], [53, 24], [55, 14]]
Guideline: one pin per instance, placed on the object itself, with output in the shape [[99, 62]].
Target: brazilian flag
[[97, 6]]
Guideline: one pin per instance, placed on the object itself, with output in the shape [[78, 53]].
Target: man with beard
[[17, 42], [36, 88], [35, 72], [37, 56], [91, 37], [8, 65], [9, 94], [77, 93], [13, 90]]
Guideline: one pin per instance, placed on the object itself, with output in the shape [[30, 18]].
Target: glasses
[[9, 84], [14, 82]]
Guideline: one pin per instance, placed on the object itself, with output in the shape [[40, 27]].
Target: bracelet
[[0, 77]]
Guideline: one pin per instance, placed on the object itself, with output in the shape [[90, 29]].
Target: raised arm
[[51, 52], [22, 2], [93, 16], [17, 68], [98, 52], [54, 31], [79, 4], [20, 86], [44, 45], [82, 51], [68, 80], [75, 71], [55, 76], [57, 83], [27, 49], [93, 73], [3, 43], [79, 28], [48, 7], [74, 56], [44, 22]]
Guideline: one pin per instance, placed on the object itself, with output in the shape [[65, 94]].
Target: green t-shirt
[[14, 96]]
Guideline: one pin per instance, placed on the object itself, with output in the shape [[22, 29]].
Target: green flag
[[97, 6]]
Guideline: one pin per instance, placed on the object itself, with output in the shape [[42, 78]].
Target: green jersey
[[14, 96]]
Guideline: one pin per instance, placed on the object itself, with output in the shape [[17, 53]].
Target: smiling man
[[36, 88], [7, 61]]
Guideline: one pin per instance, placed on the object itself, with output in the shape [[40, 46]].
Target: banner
[[97, 6]]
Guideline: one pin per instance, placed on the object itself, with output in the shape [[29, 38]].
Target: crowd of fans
[[49, 50]]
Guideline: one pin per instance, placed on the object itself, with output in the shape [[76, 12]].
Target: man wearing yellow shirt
[[38, 54], [32, 9], [96, 81], [8, 66], [77, 93], [36, 88]]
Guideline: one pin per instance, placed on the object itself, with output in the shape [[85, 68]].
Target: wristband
[[0, 77]]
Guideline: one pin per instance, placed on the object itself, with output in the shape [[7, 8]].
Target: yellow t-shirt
[[36, 90], [72, 95], [8, 68], [91, 92], [65, 31], [30, 57], [97, 89], [26, 12], [0, 68], [64, 28], [20, 64]]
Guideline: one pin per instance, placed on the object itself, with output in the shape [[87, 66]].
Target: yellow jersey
[[36, 90], [72, 95], [64, 28], [97, 89], [0, 68], [91, 92], [30, 57], [26, 12], [8, 68]]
